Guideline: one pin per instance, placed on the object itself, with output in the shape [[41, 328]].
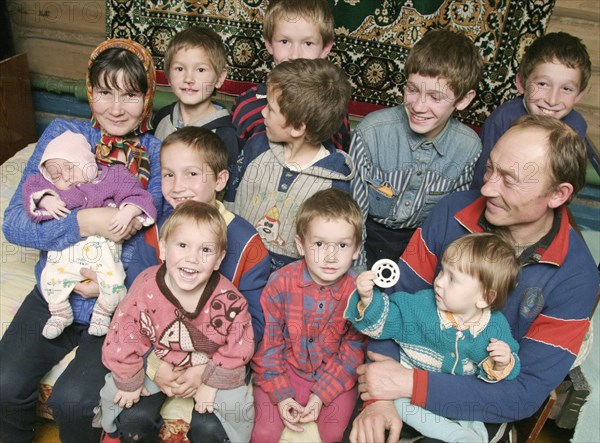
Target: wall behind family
[[58, 37]]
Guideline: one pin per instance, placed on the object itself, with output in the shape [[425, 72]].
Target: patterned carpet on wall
[[373, 38]]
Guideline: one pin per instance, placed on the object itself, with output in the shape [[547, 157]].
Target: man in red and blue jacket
[[533, 172]]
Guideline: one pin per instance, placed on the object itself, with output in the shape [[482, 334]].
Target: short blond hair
[[192, 211], [197, 37], [330, 204], [488, 258], [317, 12]]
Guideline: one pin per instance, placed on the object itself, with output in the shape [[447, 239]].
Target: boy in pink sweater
[[193, 318]]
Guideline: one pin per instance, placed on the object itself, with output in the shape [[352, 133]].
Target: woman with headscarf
[[120, 87]]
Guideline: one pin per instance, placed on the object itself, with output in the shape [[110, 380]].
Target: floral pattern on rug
[[373, 38]]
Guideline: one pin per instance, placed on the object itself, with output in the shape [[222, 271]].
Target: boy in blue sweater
[[454, 327], [552, 79], [194, 167]]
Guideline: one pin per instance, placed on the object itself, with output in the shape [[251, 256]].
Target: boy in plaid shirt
[[305, 367]]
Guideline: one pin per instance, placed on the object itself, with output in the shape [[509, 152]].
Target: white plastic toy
[[388, 273]]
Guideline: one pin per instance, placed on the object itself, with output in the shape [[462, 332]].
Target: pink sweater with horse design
[[218, 333]]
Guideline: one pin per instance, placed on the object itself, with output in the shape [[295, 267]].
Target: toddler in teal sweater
[[454, 328]]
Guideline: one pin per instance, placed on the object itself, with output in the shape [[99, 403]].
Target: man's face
[[517, 183]]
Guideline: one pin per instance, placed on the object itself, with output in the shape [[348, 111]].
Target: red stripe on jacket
[[419, 258], [565, 334]]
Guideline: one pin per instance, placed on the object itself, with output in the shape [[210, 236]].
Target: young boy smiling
[[194, 167], [195, 66], [410, 156], [193, 318], [552, 79]]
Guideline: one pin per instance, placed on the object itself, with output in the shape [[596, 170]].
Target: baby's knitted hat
[[74, 148]]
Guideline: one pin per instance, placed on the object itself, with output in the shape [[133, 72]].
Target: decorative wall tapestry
[[373, 38]]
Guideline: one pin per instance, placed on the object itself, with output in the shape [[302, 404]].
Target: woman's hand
[[89, 287], [121, 220], [96, 221]]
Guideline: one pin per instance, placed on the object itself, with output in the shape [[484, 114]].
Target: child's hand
[[365, 283], [122, 218], [205, 399], [189, 381], [290, 412], [55, 206], [500, 354], [312, 409], [126, 399]]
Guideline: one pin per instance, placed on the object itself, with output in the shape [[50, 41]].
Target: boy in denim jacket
[[410, 156]]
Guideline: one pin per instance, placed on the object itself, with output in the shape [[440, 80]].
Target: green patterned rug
[[373, 38]]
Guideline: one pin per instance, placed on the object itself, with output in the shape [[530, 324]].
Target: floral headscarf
[[107, 149]]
